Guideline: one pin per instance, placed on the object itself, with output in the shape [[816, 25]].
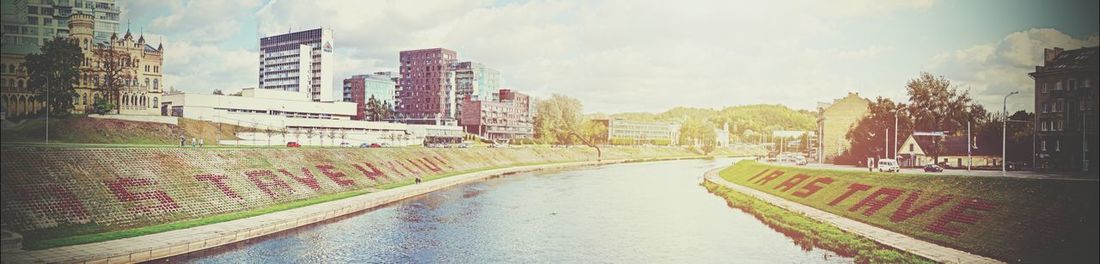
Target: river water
[[653, 212]]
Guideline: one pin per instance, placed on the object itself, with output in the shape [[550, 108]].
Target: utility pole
[[896, 133], [47, 112], [969, 146], [1004, 133], [887, 135]]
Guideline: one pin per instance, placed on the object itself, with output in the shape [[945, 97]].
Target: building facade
[[627, 132], [475, 82], [426, 90], [1066, 110], [27, 24], [508, 117], [914, 152], [834, 120], [299, 62], [139, 95], [360, 88]]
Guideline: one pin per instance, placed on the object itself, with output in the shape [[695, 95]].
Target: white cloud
[[992, 70], [614, 55]]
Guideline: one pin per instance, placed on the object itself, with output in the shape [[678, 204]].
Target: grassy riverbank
[[809, 233], [1011, 219]]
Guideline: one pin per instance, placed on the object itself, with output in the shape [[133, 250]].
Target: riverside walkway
[[899, 241]]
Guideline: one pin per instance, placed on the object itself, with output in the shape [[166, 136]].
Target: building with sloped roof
[[1066, 110]]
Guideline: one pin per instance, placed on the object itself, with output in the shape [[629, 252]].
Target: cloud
[[992, 70], [614, 55]]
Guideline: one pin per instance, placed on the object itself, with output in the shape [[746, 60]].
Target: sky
[[645, 56]]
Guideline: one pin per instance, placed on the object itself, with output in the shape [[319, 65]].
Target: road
[[962, 172]]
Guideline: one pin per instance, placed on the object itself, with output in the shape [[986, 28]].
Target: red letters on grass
[[960, 214], [904, 212], [218, 181], [876, 201], [812, 187], [121, 189], [852, 189], [267, 182], [336, 176], [306, 178]]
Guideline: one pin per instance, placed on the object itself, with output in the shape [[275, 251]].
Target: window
[[1058, 86], [1043, 145], [1071, 84], [1057, 145], [1086, 83], [1046, 107]]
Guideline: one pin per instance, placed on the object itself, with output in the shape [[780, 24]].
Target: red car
[[293, 144]]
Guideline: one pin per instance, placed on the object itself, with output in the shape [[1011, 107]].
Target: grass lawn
[[1011, 219], [809, 233]]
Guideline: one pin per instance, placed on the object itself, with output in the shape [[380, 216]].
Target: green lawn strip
[[1034, 220], [88, 233], [809, 233]]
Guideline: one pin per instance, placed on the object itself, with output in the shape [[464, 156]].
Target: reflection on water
[[641, 212]]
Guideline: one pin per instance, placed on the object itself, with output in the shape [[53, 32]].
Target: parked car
[[293, 144], [933, 168], [464, 145], [800, 161], [345, 144], [370, 145], [888, 165]]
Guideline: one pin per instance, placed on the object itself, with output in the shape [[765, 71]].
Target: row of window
[[1070, 84]]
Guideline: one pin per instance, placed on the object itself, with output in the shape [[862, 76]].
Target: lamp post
[[896, 133], [1004, 133]]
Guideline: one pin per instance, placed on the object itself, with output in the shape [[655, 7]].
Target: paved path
[[909, 244], [176, 242]]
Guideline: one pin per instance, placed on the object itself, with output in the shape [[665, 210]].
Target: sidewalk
[[177, 242], [899, 241]]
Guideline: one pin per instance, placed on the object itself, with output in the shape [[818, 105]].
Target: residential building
[[834, 120], [360, 88], [915, 151], [1066, 110], [299, 62], [627, 132], [475, 82], [508, 117], [426, 90], [26, 25], [140, 94]]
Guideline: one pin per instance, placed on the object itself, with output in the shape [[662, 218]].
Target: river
[[653, 212]]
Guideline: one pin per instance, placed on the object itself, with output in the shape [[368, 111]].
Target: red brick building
[[426, 88], [507, 117]]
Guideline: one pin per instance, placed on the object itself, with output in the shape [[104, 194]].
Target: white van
[[888, 165]]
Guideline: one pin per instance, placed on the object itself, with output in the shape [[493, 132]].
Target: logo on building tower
[[327, 47]]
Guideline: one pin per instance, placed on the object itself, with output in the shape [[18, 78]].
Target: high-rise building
[[299, 62], [475, 82], [426, 90], [360, 88], [1066, 110], [26, 25]]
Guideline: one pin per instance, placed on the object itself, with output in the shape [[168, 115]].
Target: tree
[[218, 92], [594, 131], [268, 131], [698, 132], [387, 111], [53, 73], [869, 135], [117, 70], [937, 106], [102, 106], [373, 109], [556, 118]]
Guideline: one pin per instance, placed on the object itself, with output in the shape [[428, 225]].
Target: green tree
[[116, 70], [594, 131], [698, 132], [53, 73], [935, 105], [870, 134], [387, 111], [373, 109], [557, 117]]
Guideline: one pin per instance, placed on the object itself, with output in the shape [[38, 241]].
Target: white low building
[[275, 117]]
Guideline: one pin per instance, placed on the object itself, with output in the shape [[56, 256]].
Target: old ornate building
[[140, 94]]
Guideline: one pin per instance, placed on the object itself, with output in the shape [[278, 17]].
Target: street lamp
[[1004, 133]]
